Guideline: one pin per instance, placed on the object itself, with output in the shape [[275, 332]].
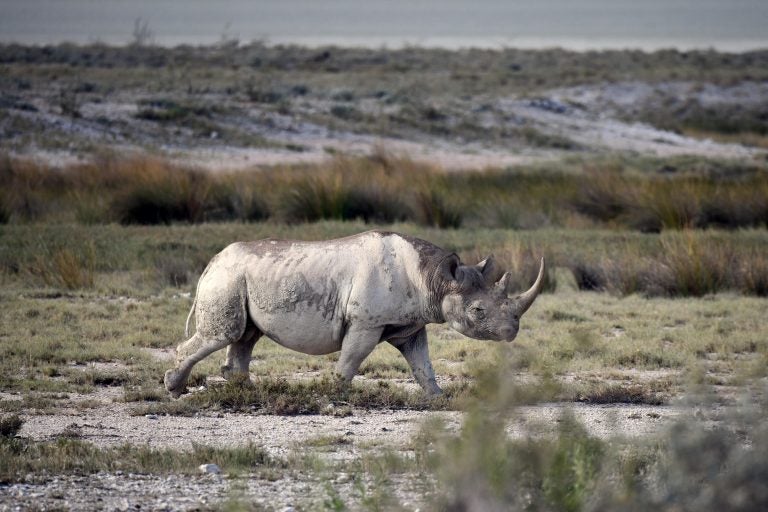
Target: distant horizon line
[[444, 43]]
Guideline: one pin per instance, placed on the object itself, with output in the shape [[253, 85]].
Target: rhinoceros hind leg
[[239, 354], [176, 378], [173, 383]]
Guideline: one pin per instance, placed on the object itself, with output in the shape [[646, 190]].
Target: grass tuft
[[64, 267], [618, 394], [319, 396]]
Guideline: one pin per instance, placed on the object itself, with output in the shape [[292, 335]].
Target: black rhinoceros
[[348, 295]]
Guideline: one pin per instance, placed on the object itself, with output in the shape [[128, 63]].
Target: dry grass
[[383, 188], [653, 203], [318, 396], [69, 455]]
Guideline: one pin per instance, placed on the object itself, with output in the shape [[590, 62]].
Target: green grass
[[50, 335], [49, 343], [126, 260]]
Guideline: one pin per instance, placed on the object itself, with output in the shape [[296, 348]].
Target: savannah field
[[637, 381]]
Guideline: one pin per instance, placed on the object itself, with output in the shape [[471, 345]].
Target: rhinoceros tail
[[189, 317], [194, 301]]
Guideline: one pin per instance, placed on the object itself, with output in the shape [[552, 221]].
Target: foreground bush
[[691, 466]]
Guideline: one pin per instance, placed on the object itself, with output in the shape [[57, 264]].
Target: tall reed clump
[[31, 190], [64, 267], [5, 210], [380, 188], [654, 203], [693, 265], [744, 204], [752, 277], [155, 192], [602, 194], [680, 264]]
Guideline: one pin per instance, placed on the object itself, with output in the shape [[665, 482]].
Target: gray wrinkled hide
[[344, 295]]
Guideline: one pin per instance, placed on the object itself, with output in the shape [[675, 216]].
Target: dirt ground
[[113, 423]]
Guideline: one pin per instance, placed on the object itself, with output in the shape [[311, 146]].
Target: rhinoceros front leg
[[416, 351], [355, 347]]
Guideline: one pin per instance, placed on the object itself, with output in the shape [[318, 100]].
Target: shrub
[[346, 112], [617, 394], [236, 198], [383, 188], [589, 275], [5, 210], [10, 425], [375, 204], [165, 110], [664, 204]]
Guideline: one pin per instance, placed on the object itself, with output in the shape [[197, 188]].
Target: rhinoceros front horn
[[524, 300]]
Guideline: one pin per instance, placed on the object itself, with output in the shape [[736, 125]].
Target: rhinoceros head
[[478, 303]]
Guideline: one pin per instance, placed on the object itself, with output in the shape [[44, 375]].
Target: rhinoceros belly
[[296, 313]]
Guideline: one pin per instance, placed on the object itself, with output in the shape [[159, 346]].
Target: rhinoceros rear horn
[[524, 300]]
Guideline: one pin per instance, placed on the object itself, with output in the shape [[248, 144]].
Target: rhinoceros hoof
[[226, 372], [173, 383], [434, 391]]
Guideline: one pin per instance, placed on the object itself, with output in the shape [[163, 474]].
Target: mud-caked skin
[[346, 295]]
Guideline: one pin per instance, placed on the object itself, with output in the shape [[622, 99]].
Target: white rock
[[211, 469]]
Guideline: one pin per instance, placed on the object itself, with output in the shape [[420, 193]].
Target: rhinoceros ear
[[490, 270], [449, 267]]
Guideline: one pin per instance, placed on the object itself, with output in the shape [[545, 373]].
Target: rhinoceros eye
[[477, 311]]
